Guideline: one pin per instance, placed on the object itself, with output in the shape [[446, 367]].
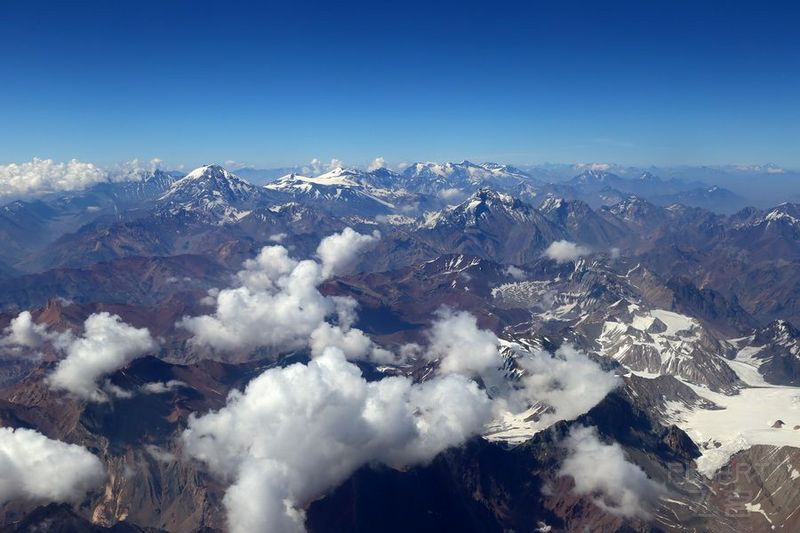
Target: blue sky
[[662, 82]]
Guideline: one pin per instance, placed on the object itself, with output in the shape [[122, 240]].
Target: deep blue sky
[[663, 82]]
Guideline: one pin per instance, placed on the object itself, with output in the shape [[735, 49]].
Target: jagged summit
[[483, 204], [211, 191]]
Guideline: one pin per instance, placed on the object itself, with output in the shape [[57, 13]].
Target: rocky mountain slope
[[605, 324]]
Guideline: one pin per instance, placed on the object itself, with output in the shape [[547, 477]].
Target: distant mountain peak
[[483, 203], [341, 190], [649, 176], [206, 170], [552, 203], [595, 174], [490, 197], [210, 190]]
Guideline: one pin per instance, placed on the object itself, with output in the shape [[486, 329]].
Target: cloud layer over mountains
[[278, 306], [34, 467], [41, 176], [601, 470], [38, 177], [106, 345], [295, 432], [565, 251], [298, 431]]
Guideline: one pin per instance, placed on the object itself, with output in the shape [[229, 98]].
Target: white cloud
[[340, 251], [23, 332], [565, 251], [34, 467], [460, 346], [515, 272], [107, 344], [278, 305], [134, 169], [316, 166], [568, 381], [298, 431], [161, 387], [41, 176], [278, 313], [354, 343], [377, 163], [452, 195], [114, 390], [601, 470]]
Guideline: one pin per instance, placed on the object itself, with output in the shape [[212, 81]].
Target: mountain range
[[452, 346]]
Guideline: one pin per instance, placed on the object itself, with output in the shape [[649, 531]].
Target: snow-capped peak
[[210, 190], [786, 213], [211, 177], [592, 175], [552, 203], [215, 171], [480, 205], [341, 190]]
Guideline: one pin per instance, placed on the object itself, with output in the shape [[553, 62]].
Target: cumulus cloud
[[601, 470], [42, 176], [354, 343], [377, 163], [568, 381], [296, 432], [460, 346], [340, 251], [277, 305], [565, 251], [276, 313], [23, 332], [107, 344], [34, 467], [316, 166]]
